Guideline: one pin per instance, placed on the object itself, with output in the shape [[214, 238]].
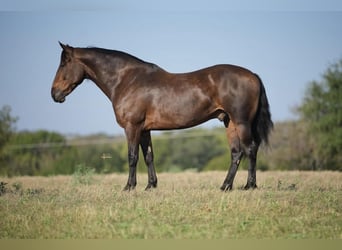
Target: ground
[[188, 205]]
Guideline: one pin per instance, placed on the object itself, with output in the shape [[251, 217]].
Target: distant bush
[[49, 153], [83, 175]]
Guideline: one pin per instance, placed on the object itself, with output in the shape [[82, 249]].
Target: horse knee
[[133, 158], [252, 150], [149, 156], [236, 157]]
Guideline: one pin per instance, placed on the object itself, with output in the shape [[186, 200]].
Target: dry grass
[[184, 206]]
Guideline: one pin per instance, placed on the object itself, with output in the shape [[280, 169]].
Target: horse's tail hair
[[262, 124]]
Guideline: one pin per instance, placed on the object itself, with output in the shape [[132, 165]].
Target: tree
[[188, 149], [6, 131], [33, 153], [6, 125], [322, 111], [290, 148]]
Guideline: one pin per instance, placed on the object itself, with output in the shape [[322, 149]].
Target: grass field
[[305, 205]]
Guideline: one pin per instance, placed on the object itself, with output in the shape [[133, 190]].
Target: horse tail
[[262, 124]]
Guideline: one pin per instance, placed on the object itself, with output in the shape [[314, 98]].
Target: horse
[[146, 97]]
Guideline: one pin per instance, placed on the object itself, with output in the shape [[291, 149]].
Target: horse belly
[[178, 113]]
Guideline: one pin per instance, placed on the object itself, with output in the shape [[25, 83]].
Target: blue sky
[[288, 46]]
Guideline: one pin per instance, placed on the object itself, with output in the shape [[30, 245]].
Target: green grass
[[287, 205]]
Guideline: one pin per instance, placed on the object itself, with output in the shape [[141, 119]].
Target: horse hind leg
[[236, 155], [250, 148], [251, 153], [241, 143]]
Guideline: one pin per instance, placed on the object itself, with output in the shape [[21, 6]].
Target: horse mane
[[118, 53]]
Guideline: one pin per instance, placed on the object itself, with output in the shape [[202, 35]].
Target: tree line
[[312, 142]]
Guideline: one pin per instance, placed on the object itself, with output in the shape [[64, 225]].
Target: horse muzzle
[[57, 95]]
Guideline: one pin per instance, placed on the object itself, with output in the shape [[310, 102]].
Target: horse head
[[70, 74]]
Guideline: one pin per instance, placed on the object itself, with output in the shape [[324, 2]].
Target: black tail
[[262, 124]]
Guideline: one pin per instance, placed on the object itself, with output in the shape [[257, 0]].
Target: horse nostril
[[53, 93], [57, 95]]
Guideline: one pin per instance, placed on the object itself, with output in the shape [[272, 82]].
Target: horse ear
[[66, 48]]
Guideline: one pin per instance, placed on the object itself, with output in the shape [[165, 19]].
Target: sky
[[288, 45]]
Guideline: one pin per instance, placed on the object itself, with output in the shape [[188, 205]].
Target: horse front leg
[[146, 146], [133, 137]]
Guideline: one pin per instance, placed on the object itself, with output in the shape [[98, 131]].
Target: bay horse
[[145, 97]]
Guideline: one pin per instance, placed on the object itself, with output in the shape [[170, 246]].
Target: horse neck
[[108, 68], [103, 70]]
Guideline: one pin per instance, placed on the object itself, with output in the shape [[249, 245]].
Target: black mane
[[118, 53]]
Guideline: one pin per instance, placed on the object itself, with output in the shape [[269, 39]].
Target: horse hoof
[[128, 188], [150, 186], [226, 187], [250, 186]]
